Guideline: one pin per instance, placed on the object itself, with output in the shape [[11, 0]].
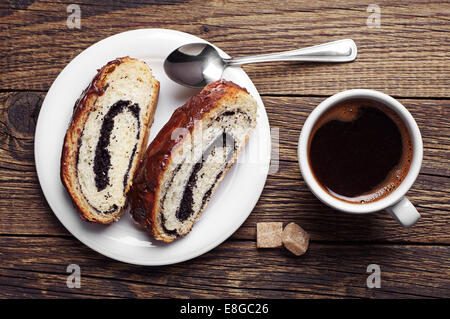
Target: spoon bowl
[[194, 65], [198, 64]]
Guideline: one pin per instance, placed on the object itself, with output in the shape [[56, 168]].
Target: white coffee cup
[[395, 203]]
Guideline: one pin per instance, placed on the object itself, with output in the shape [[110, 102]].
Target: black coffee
[[360, 151]]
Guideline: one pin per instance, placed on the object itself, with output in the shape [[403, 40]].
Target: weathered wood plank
[[285, 198], [234, 269], [19, 112], [407, 56]]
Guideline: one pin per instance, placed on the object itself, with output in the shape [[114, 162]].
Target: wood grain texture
[[407, 56], [285, 198], [36, 267]]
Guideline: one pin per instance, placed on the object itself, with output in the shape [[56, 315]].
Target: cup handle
[[404, 212]]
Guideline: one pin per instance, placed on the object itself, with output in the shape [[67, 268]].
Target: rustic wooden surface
[[406, 57]]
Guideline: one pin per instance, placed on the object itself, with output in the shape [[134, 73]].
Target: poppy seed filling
[[104, 171], [222, 142], [188, 189], [102, 160]]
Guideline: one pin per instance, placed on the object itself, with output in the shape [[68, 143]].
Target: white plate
[[125, 241]]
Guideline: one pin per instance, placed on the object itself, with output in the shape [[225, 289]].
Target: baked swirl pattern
[[105, 139], [189, 157]]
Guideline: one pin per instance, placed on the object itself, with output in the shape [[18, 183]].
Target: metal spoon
[[197, 64]]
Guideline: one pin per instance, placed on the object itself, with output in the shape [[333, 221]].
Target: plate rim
[[110, 253]]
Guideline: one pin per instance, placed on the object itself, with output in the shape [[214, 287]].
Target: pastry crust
[[70, 152]]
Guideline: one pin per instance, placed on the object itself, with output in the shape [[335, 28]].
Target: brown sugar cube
[[268, 235], [295, 239]]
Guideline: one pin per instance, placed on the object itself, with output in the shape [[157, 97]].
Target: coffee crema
[[360, 151]]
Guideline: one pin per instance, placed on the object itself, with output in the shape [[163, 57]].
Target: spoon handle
[[337, 51]]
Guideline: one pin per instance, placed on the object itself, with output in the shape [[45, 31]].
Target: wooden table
[[407, 56]]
